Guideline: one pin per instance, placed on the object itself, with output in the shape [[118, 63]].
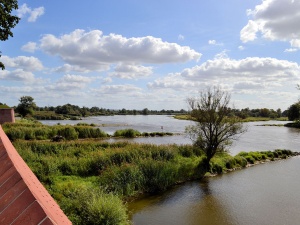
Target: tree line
[[27, 107]]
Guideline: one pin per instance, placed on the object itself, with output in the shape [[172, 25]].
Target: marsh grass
[[91, 180]]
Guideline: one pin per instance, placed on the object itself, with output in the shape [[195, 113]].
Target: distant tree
[[26, 106], [145, 111], [279, 113], [7, 21], [214, 129], [293, 112]]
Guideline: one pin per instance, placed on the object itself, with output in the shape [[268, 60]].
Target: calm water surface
[[264, 194], [255, 139]]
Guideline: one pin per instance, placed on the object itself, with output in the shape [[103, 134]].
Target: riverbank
[[86, 177]]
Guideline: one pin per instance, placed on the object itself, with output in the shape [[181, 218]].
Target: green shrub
[[125, 180], [158, 176], [68, 132], [216, 168], [250, 159], [230, 163], [128, 133], [240, 160]]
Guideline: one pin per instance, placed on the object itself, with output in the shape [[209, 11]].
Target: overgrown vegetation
[[92, 180]]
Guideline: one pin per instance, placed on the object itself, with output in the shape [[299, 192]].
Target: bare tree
[[215, 128]]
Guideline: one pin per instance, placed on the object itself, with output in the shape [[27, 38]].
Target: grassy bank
[[92, 180], [34, 130]]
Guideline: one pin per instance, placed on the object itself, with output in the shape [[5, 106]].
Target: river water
[[264, 194]]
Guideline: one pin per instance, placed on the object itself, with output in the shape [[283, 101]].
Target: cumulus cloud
[[17, 75], [274, 20], [67, 68], [95, 51], [119, 89], [127, 71], [251, 73], [23, 62], [30, 47], [70, 83], [33, 14], [173, 81], [267, 69]]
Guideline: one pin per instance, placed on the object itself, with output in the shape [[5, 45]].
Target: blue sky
[[153, 54]]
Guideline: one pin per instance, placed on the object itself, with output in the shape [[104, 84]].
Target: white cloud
[[180, 37], [119, 89], [33, 13], [66, 68], [241, 48], [295, 43], [127, 71], [71, 83], [107, 80], [173, 81], [275, 20], [95, 51], [30, 47], [23, 62], [248, 33], [291, 50], [17, 75], [254, 68], [212, 42]]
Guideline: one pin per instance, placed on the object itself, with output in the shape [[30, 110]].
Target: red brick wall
[[7, 115], [23, 199]]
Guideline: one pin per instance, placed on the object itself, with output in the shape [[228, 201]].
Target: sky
[[153, 54]]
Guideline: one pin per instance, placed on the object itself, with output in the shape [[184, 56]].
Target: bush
[[158, 176], [68, 132], [250, 159], [128, 133], [240, 160], [86, 205], [216, 168]]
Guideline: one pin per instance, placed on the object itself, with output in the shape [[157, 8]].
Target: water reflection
[[264, 194], [191, 204]]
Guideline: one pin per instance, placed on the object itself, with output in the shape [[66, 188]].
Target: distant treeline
[[75, 110]]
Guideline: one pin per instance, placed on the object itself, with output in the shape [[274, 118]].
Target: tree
[[215, 128], [7, 21], [26, 106], [293, 111]]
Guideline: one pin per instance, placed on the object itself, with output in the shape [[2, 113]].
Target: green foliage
[[128, 133], [8, 21], [31, 130], [84, 203], [26, 106], [294, 112]]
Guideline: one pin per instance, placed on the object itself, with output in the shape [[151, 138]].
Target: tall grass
[[89, 178]]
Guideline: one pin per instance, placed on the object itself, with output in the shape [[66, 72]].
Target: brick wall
[[7, 115], [23, 199]]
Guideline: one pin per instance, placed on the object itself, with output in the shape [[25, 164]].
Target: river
[[264, 194], [256, 138]]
